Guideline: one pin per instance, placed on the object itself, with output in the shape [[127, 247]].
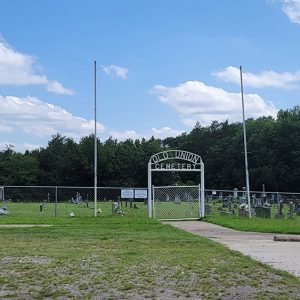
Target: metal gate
[[176, 202], [176, 161]]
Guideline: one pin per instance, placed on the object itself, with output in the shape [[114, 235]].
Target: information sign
[[140, 194], [127, 194]]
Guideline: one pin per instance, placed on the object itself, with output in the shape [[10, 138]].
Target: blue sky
[[162, 65]]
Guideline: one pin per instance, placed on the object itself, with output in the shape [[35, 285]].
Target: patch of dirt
[[40, 260], [4, 293], [98, 278]]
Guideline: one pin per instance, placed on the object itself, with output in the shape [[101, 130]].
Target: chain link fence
[[263, 204], [176, 202], [170, 202], [182, 202], [32, 201]]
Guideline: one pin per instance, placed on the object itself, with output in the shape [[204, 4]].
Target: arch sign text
[[175, 160]]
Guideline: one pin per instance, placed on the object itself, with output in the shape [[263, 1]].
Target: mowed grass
[[20, 213], [161, 210], [31, 212], [283, 225], [128, 257]]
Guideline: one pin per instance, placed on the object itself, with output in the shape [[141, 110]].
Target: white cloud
[[28, 146], [57, 87], [165, 132], [283, 80], [40, 120], [161, 133], [31, 116], [21, 69], [292, 9], [195, 101], [114, 70], [4, 127], [19, 147], [5, 144], [37, 118], [123, 135]]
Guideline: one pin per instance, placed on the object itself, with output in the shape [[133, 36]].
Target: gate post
[[149, 190], [200, 199], [202, 190], [2, 197], [55, 207]]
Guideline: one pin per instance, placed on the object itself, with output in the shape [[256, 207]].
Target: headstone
[[263, 212], [279, 213], [291, 210], [235, 193], [297, 208], [77, 199], [3, 211], [225, 202], [264, 195], [208, 208], [255, 202], [177, 199], [244, 210], [116, 208]]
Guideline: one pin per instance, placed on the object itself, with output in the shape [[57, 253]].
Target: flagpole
[[245, 145], [95, 139]]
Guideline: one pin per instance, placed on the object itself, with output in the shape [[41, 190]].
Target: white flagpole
[[95, 140], [245, 145]]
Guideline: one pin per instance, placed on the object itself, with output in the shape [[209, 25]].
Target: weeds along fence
[[68, 201]]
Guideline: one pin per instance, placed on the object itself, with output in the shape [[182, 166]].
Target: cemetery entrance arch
[[176, 202]]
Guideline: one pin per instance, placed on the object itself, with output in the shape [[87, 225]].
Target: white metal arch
[[167, 161]]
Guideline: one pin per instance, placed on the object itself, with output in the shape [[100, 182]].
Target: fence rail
[[66, 200]]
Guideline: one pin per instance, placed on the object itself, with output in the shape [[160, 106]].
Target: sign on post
[[127, 194], [140, 194]]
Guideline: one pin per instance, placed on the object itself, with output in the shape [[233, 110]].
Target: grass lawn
[[257, 224], [30, 211], [129, 257], [273, 225]]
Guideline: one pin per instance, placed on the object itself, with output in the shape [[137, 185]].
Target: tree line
[[273, 155]]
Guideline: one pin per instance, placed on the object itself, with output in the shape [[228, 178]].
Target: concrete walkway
[[260, 246]]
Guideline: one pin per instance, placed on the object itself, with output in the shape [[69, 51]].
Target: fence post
[[55, 207], [199, 200], [2, 198], [202, 191]]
